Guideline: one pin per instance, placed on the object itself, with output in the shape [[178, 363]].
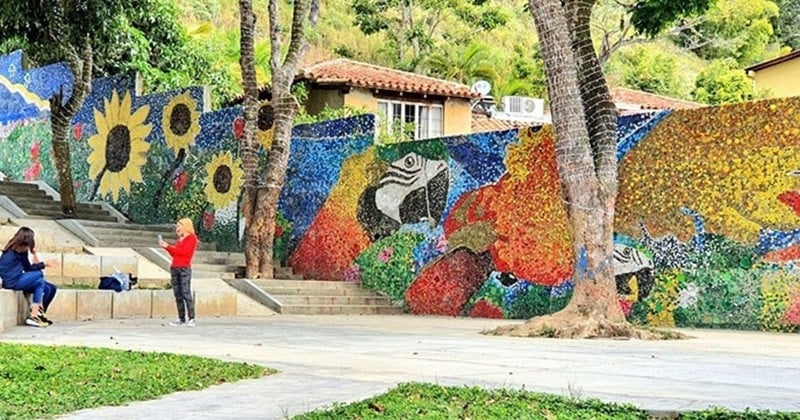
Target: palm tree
[[464, 64]]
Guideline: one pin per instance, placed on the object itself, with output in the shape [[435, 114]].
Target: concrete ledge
[[164, 304], [83, 305], [65, 305], [133, 304], [82, 265], [55, 262], [216, 302], [109, 263], [8, 309]]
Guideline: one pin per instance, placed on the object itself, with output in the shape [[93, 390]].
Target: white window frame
[[386, 112]]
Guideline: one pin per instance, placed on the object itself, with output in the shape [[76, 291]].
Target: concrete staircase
[[314, 297], [30, 201]]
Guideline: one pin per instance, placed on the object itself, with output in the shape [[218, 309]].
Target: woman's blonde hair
[[186, 224]]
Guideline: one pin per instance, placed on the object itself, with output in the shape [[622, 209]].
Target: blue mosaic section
[[313, 170], [216, 127], [25, 93], [461, 182], [631, 129], [482, 154], [336, 129]]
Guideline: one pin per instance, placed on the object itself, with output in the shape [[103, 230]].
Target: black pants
[[182, 288]]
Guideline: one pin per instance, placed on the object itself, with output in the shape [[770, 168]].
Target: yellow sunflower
[[181, 122], [119, 148], [265, 125], [224, 178]]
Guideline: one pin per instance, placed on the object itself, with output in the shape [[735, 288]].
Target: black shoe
[[35, 322], [44, 319]]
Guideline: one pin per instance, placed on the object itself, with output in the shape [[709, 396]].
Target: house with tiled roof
[[433, 106], [779, 75], [627, 101], [631, 101]]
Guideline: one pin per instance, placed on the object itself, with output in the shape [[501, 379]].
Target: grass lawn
[[426, 401], [44, 381]]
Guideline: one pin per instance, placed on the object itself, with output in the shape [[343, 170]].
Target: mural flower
[[238, 127], [119, 148], [265, 123], [223, 180], [181, 122], [180, 180]]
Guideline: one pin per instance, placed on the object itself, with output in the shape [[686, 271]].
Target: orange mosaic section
[[335, 238], [525, 211]]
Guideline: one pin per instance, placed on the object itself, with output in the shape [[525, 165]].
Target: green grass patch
[[44, 381], [427, 401]]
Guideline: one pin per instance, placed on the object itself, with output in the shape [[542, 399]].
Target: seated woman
[[18, 273]]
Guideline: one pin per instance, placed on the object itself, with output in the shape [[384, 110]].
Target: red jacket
[[183, 251]]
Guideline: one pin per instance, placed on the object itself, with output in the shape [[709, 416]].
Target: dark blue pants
[[32, 282]]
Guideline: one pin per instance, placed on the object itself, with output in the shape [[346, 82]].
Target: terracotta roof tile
[[645, 100], [354, 73], [482, 123]]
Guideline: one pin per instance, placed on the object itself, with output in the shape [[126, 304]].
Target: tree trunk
[[263, 192], [61, 114], [583, 164], [253, 248], [586, 158]]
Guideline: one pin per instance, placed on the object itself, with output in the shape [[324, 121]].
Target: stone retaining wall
[[85, 305]]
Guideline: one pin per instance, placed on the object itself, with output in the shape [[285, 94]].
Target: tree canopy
[[127, 36]]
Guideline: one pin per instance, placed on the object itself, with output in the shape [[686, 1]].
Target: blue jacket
[[13, 264]]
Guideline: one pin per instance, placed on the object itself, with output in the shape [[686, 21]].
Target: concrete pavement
[[327, 359]]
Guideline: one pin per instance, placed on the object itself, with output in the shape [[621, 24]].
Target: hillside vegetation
[[467, 40]]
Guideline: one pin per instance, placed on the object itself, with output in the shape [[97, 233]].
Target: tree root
[[572, 325]]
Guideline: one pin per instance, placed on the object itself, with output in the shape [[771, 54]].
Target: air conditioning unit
[[523, 106]]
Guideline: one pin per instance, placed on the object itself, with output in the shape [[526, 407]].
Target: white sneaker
[[176, 323], [191, 323]]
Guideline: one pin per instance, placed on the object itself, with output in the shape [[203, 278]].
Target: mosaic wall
[[474, 226], [155, 157], [707, 225]]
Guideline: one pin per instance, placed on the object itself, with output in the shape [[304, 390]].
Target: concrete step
[[293, 291], [165, 228], [217, 268], [18, 186], [56, 214], [56, 206], [340, 310], [47, 202], [25, 194], [93, 282], [290, 300], [213, 275], [238, 257], [308, 284], [150, 234]]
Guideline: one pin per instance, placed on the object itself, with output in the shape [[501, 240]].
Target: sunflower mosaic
[[223, 180], [181, 122], [119, 148], [265, 125]]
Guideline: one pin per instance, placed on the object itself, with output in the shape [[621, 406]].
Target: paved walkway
[[331, 359]]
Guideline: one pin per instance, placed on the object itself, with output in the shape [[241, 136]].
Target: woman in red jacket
[[181, 270]]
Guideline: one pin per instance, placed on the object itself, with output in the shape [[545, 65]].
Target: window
[[426, 120]]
